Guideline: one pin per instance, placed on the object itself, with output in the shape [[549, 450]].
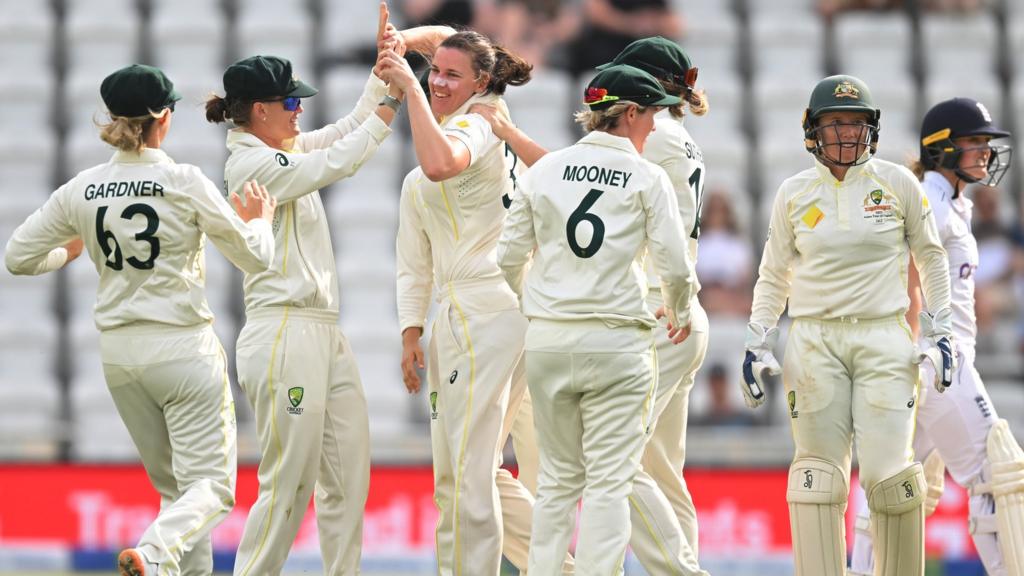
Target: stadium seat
[[966, 43], [873, 43], [189, 37], [784, 44], [26, 38], [98, 42], [347, 27], [712, 41], [539, 108], [26, 171]]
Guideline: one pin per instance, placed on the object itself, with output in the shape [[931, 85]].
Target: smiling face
[[452, 80], [274, 123], [975, 156], [844, 135]]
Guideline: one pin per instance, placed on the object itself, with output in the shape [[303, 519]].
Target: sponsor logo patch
[[791, 399], [433, 405], [813, 216]]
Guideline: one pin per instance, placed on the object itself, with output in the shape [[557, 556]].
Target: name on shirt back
[[136, 188], [596, 174]]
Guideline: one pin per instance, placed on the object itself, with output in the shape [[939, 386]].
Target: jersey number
[[698, 190], [580, 214], [506, 200], [114, 259]]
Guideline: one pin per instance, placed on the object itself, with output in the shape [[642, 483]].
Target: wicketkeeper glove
[[758, 363], [937, 331]]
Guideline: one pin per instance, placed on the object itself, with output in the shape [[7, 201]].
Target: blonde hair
[[607, 119], [697, 100], [129, 133]]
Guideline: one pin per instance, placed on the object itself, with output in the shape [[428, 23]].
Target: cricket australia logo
[[295, 398], [846, 89], [791, 399], [908, 489], [433, 405], [879, 207]]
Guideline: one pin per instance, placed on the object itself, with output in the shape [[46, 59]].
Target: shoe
[[130, 562]]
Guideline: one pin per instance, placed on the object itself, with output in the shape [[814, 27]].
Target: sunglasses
[[290, 103]]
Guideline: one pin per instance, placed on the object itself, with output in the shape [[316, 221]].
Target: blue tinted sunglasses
[[290, 104]]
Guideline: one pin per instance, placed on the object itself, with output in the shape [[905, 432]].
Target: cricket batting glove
[[758, 363], [937, 331]]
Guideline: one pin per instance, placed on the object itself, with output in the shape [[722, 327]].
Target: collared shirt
[[953, 220], [448, 230], [144, 221], [304, 272], [587, 213], [839, 249]]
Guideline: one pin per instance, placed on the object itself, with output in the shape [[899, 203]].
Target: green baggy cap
[[137, 90], [262, 78], [623, 82]]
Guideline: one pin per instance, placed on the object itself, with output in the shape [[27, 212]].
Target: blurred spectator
[[610, 25], [829, 8], [1018, 281], [534, 29], [455, 13], [993, 293], [724, 260], [720, 410]]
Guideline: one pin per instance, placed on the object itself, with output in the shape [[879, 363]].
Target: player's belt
[[853, 319], [276, 312]]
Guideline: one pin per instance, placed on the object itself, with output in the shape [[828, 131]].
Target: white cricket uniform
[[838, 250], [144, 220], [660, 497], [446, 243], [587, 213], [956, 422], [294, 363]]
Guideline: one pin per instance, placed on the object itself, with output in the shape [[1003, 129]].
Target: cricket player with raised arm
[[584, 216], [294, 364], [144, 221], [838, 249]]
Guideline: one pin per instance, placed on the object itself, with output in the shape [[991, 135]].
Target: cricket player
[[295, 365], [451, 213], [837, 250], [585, 213], [144, 221], [961, 427], [664, 538]]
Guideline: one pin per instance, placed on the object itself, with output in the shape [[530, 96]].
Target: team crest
[[879, 207], [846, 89], [433, 405], [295, 398], [791, 399], [876, 197]]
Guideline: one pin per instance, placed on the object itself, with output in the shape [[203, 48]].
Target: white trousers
[[593, 391], [171, 388], [298, 371], [476, 384], [664, 519]]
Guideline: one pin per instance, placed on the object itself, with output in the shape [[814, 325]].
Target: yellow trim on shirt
[[451, 215], [273, 413], [465, 425]]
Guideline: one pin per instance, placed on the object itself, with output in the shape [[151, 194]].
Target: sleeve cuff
[[377, 128]]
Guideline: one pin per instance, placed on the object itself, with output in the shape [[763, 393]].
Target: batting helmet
[[840, 94], [959, 118]]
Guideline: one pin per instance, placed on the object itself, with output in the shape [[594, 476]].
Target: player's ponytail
[[697, 100], [509, 70], [502, 67], [127, 134], [219, 109]]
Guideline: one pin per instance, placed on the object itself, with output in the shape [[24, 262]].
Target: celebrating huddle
[[568, 316]]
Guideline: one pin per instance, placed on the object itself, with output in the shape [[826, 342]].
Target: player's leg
[[559, 437], [960, 421], [818, 391], [344, 480], [664, 455], [884, 410], [524, 434], [444, 474], [283, 369], [618, 390]]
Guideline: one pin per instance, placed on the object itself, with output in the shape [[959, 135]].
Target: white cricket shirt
[[144, 221], [587, 213], [839, 250]]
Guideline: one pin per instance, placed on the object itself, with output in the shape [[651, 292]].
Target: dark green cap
[[841, 93], [262, 78], [660, 57], [137, 90], [623, 82]]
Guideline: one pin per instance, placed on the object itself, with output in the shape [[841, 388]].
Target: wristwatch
[[391, 102]]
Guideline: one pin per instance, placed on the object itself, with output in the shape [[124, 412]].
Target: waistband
[[851, 320], [155, 329], [586, 324], [470, 287], [278, 312]]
